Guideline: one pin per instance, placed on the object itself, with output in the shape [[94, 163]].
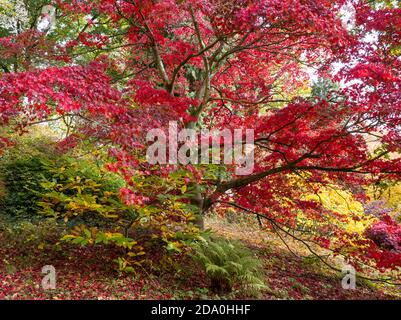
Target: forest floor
[[87, 273]]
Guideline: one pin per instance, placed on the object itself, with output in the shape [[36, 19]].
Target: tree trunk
[[197, 200]]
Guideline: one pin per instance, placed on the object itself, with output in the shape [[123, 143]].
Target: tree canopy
[[317, 80]]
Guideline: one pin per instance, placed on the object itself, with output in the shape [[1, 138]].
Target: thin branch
[[305, 243]]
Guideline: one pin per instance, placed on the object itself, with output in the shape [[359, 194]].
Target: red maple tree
[[127, 66]]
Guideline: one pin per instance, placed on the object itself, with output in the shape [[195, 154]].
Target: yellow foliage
[[340, 201], [390, 193], [344, 203]]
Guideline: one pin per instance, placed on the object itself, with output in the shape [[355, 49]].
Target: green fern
[[229, 264]]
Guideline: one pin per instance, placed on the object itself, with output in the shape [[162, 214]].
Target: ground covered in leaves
[[87, 273]]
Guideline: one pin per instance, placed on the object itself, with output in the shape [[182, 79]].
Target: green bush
[[36, 179], [229, 264], [22, 183], [74, 189], [23, 233], [79, 192]]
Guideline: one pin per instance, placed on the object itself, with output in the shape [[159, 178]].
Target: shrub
[[91, 200], [36, 178], [22, 170], [41, 181], [24, 233], [377, 208], [79, 192], [3, 190], [229, 264], [386, 234], [22, 179]]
